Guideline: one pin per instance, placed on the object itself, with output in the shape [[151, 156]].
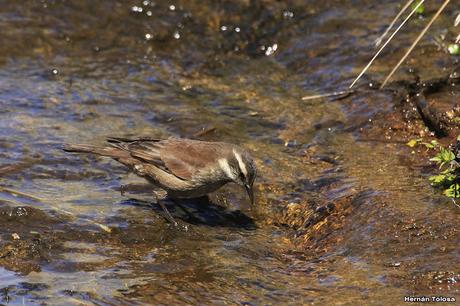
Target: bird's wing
[[186, 157], [180, 157], [144, 149]]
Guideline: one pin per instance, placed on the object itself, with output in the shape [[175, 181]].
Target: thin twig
[[363, 139], [443, 6], [31, 197], [332, 94], [378, 41], [386, 43], [105, 228], [102, 226], [204, 132], [13, 168], [19, 193]]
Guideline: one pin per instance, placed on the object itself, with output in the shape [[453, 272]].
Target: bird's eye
[[242, 177]]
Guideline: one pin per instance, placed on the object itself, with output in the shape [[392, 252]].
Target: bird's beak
[[250, 193]]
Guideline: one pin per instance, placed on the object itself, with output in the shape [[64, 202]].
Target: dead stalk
[[443, 6], [386, 43]]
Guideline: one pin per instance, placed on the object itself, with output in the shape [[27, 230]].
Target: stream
[[341, 217]]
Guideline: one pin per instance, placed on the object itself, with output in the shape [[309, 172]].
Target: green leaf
[[453, 191], [443, 157], [448, 172], [445, 178], [447, 155], [413, 142], [437, 179], [453, 49], [420, 9]]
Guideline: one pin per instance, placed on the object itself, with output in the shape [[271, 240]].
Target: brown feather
[[116, 153], [184, 159], [180, 157]]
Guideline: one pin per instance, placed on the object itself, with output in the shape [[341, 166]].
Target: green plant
[[419, 8], [443, 157], [447, 179], [429, 145], [454, 49]]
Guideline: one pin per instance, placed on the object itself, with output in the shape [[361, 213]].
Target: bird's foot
[[172, 221]]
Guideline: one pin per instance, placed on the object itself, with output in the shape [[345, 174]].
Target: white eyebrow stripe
[[241, 163], [223, 163]]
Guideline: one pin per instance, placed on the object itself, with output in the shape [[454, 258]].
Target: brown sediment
[[27, 238]]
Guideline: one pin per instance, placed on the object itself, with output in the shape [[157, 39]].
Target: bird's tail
[[119, 154], [83, 148]]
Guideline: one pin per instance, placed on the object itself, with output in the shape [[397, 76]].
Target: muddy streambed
[[344, 212]]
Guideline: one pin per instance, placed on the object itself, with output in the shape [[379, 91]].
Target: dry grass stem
[[332, 94], [378, 41], [438, 13], [386, 43]]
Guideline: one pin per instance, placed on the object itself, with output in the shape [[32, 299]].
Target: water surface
[[338, 219]]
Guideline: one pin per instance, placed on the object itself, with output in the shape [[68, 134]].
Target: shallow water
[[76, 72]]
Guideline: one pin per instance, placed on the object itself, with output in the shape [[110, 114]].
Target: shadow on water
[[199, 211]]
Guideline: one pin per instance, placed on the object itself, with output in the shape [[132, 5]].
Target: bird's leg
[[168, 215]]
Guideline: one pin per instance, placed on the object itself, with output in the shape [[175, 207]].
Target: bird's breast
[[196, 190]]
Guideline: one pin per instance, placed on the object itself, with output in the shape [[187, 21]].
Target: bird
[[181, 168]]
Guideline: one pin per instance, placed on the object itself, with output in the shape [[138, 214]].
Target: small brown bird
[[182, 168]]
